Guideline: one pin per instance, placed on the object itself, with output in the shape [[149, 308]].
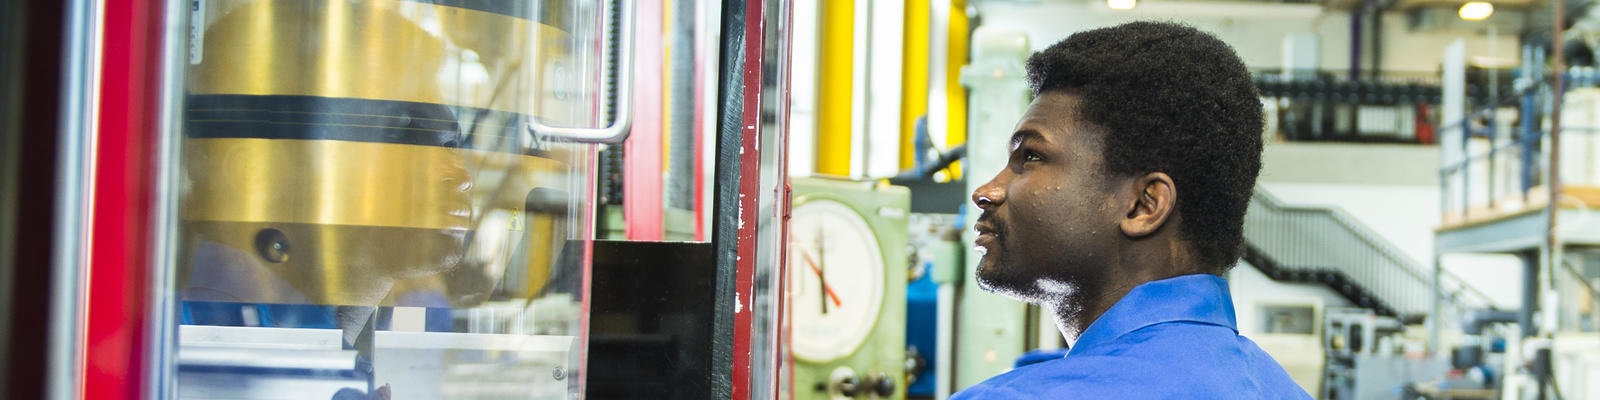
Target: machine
[[1366, 356], [847, 289], [368, 207]]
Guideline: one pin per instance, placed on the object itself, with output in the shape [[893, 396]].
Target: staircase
[[1326, 246]]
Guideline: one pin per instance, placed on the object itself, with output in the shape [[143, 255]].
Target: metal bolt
[[559, 373]]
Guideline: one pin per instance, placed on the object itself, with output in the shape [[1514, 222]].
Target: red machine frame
[[119, 270]]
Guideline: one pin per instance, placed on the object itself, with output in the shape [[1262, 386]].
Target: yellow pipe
[[666, 88], [955, 94], [914, 78], [835, 87]]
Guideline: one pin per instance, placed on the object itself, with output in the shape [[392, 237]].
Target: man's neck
[[1076, 313], [1066, 322], [1162, 257]]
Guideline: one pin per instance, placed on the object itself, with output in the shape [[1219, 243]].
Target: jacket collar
[[1199, 298]]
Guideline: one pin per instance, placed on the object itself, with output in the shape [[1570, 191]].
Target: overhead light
[[1476, 11], [1120, 4]]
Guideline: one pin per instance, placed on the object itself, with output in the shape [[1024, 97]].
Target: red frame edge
[[749, 196], [119, 263]]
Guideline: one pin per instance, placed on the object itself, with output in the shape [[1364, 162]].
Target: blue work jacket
[[1174, 338]]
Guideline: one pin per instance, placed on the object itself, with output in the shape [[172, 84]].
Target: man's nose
[[990, 194]]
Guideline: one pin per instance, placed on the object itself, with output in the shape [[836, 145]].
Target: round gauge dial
[[835, 280]]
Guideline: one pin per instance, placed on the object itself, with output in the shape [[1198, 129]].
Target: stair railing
[[1310, 238]]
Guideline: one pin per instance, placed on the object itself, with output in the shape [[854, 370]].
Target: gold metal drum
[[368, 153]]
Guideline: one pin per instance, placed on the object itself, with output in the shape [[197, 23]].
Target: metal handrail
[[1459, 165], [1343, 218], [1364, 257], [1526, 89], [622, 94]]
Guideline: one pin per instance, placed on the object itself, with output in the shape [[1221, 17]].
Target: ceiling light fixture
[[1476, 11]]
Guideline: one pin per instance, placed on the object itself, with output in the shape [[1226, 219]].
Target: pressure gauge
[[836, 279]]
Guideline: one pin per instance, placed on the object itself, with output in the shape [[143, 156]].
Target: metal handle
[[622, 93]]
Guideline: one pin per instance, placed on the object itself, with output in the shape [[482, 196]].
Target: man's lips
[[985, 227], [986, 238]]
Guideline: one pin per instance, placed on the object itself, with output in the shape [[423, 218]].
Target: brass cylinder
[[347, 152]]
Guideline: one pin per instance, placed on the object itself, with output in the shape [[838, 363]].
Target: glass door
[[375, 198]]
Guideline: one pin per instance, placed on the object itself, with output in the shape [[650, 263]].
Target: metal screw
[[559, 373]]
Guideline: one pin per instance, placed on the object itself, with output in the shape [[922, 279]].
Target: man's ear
[[1155, 199]]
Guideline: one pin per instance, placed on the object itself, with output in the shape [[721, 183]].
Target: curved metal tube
[[623, 93]]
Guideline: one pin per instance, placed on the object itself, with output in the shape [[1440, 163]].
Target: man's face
[[1048, 221]]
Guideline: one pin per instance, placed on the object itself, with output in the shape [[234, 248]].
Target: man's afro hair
[[1171, 99]]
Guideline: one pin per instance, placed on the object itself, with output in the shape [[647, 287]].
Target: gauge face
[[835, 280]]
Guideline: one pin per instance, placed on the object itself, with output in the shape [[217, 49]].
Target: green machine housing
[[874, 369]]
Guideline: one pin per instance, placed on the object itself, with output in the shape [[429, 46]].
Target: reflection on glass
[[364, 213]]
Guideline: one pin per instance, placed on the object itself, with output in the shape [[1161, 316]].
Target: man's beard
[[1007, 278], [1002, 276], [1064, 293]]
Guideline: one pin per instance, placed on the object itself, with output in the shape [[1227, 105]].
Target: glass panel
[[363, 211], [1578, 307], [768, 354]]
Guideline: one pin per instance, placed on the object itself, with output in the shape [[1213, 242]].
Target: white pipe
[[944, 376]]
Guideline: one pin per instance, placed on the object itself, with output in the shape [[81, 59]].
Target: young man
[[1121, 205]]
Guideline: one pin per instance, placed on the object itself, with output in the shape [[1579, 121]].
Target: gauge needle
[[821, 268], [825, 288]]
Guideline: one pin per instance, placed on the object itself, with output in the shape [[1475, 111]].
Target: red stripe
[[119, 262], [699, 139], [642, 166], [749, 193]]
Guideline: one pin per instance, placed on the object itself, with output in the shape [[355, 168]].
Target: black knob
[[915, 364], [883, 384], [272, 245], [849, 386]]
